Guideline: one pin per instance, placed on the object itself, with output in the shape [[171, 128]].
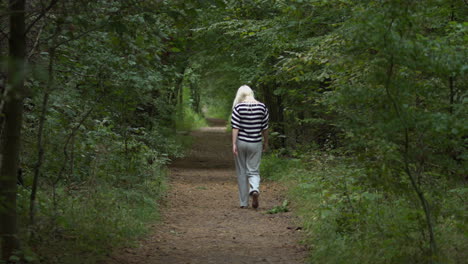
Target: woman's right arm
[[265, 139]]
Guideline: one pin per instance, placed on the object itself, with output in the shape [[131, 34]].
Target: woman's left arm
[[235, 132]]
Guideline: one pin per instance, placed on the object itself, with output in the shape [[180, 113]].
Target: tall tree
[[13, 111]]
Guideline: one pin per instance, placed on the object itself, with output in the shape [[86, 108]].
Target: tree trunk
[[452, 94], [179, 99], [451, 78], [195, 96], [40, 145], [416, 187], [13, 112], [281, 127]]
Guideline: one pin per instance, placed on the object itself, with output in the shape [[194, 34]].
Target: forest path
[[202, 222]]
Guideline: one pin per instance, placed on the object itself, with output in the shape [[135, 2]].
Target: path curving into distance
[[202, 222]]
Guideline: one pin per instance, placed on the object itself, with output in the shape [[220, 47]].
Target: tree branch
[[77, 37], [70, 136], [36, 43], [41, 15]]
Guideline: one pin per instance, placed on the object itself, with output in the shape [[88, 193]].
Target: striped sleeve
[[265, 119], [235, 118]]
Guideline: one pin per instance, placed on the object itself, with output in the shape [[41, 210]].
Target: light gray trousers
[[247, 168]]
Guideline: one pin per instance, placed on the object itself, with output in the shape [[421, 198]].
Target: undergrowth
[[106, 201], [347, 220], [187, 120], [91, 219]]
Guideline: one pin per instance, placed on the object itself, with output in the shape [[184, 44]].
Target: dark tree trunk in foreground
[[13, 111]]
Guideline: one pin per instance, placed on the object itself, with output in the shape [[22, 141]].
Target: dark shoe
[[243, 207], [255, 199]]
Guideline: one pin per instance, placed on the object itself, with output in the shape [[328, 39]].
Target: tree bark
[[13, 113]]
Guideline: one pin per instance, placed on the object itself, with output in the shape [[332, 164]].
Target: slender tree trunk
[[72, 157], [70, 138], [179, 100], [40, 146], [271, 102], [3, 94], [13, 113], [417, 188], [275, 107], [452, 94], [195, 96], [451, 78], [62, 171], [282, 128]]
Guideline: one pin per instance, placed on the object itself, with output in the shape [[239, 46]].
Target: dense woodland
[[367, 102]]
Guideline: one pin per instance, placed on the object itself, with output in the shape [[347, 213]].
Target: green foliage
[[105, 202], [106, 85], [218, 111], [187, 118], [279, 208], [347, 220], [190, 120], [376, 85], [381, 81], [90, 221], [275, 167]]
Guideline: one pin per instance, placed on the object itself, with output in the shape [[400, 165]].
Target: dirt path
[[203, 222]]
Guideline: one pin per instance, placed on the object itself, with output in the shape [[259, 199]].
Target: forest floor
[[202, 221]]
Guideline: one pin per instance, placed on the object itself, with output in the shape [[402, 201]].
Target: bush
[[105, 201], [90, 220], [276, 167], [349, 221]]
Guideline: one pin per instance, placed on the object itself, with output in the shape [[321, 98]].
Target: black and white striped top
[[251, 119]]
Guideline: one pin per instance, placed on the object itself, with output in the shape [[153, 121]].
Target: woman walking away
[[249, 122]]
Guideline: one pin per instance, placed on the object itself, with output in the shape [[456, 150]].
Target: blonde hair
[[244, 94]]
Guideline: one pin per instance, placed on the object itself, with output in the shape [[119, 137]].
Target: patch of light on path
[[218, 129]]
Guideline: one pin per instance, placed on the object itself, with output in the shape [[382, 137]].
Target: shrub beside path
[[202, 221]]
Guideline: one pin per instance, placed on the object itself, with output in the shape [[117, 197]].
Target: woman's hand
[[234, 149]]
